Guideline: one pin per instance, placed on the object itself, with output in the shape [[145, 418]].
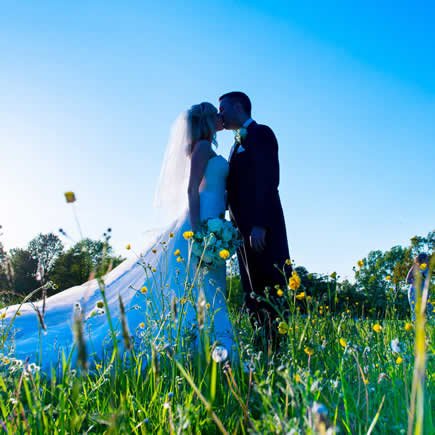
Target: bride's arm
[[199, 159]]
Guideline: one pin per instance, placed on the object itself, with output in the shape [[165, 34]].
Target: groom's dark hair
[[241, 98]]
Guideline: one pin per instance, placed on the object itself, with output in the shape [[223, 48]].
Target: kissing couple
[[198, 186]]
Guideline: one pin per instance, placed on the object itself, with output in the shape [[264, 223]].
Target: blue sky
[[90, 89]]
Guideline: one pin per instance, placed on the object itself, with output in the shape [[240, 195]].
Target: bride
[[158, 299]]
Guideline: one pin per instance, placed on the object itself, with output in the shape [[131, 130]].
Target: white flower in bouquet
[[227, 234], [214, 225], [208, 259], [197, 249]]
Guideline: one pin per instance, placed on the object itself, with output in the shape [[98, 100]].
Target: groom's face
[[230, 114]]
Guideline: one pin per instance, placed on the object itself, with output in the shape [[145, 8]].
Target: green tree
[[77, 264], [24, 269], [45, 249]]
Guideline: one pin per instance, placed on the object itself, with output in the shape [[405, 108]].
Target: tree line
[[379, 284]]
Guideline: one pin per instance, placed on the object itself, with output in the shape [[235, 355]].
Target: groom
[[255, 206]]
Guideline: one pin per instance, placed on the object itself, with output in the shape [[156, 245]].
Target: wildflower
[[279, 292], [395, 345], [298, 378], [70, 197], [343, 342], [377, 328], [100, 304], [282, 328], [408, 326], [300, 296], [333, 275], [309, 350], [188, 235], [294, 281], [388, 278], [360, 263], [207, 305], [128, 247], [183, 301], [2, 315], [224, 254], [141, 325], [288, 262], [144, 290], [219, 354], [399, 360], [177, 252], [366, 381], [98, 366], [153, 269], [179, 259], [423, 266]]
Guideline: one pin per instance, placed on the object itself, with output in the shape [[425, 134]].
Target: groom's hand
[[258, 239]]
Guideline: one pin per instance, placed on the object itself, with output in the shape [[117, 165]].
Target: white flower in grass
[[395, 345], [219, 354]]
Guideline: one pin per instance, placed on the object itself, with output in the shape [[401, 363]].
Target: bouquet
[[216, 240]]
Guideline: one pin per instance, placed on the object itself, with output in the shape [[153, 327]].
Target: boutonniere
[[240, 135]]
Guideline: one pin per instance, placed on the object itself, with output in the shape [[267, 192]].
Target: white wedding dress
[[161, 310]]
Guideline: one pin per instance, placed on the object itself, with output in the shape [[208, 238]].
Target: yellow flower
[[288, 262], [179, 259], [294, 281], [141, 325], [408, 326], [153, 270], [100, 304], [207, 305], [177, 252], [2, 315], [333, 275], [98, 366], [188, 235], [144, 290], [70, 197], [343, 342], [388, 278], [280, 292], [282, 328], [298, 378], [377, 328], [423, 266], [128, 247], [309, 350], [360, 263], [399, 360], [224, 254], [366, 381], [183, 301], [300, 296], [309, 298]]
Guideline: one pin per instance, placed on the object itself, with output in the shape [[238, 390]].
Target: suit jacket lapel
[[237, 145]]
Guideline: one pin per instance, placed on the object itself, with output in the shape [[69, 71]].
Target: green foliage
[[45, 248], [24, 268], [75, 266]]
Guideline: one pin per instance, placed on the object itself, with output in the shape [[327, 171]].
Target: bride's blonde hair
[[202, 124]]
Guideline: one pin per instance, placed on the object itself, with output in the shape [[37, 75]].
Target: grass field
[[332, 373]]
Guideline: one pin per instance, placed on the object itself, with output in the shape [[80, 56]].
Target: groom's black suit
[[253, 200]]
